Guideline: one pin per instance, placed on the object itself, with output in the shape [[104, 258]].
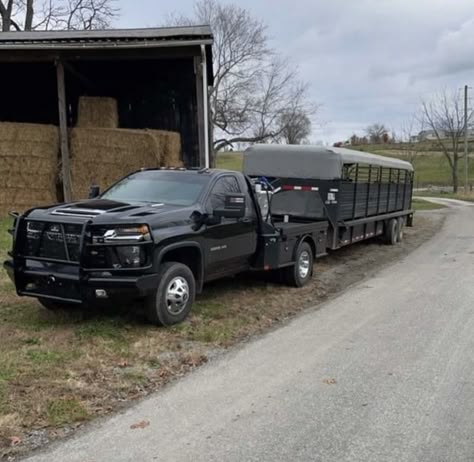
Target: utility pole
[[466, 145]]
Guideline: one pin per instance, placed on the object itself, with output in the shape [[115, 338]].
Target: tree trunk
[[6, 22], [29, 15]]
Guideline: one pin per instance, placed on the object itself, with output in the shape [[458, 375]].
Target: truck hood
[[102, 211]]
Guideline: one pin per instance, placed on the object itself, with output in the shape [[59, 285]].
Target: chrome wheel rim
[[177, 295], [304, 264]]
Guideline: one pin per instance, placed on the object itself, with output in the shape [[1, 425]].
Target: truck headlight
[[124, 233]]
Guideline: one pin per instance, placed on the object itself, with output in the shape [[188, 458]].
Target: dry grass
[[60, 369], [97, 112], [28, 165]]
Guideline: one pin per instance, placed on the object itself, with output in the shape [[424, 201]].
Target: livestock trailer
[[360, 195]]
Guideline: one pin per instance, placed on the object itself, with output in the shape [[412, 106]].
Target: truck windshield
[[159, 187]]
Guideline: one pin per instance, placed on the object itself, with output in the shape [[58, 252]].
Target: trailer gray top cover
[[309, 162]]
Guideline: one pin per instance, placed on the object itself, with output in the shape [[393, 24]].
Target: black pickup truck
[[157, 235]]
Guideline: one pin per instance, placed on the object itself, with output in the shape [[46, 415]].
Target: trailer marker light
[[287, 187]]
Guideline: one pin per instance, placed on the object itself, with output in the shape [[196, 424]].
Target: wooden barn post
[[63, 132]]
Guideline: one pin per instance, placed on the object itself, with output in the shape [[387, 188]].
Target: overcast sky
[[366, 60]]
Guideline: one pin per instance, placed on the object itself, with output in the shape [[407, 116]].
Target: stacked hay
[[28, 165], [103, 156], [95, 112], [170, 143]]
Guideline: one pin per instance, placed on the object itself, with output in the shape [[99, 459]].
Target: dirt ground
[[57, 371]]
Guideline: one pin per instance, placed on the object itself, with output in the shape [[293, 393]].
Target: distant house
[[429, 135]]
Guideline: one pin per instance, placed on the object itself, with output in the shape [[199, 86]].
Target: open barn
[[115, 82]]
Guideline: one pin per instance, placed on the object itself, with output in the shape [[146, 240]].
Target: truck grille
[[53, 241]]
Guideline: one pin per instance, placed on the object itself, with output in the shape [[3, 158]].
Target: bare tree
[[253, 86], [444, 115], [29, 15], [377, 133], [296, 127]]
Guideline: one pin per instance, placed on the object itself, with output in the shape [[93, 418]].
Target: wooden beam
[[63, 132], [200, 110]]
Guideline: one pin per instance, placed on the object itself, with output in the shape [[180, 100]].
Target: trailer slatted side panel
[[367, 191], [361, 200], [346, 197]]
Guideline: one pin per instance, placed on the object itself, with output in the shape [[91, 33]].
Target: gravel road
[[384, 372]]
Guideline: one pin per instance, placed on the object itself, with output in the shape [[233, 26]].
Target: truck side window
[[223, 186]]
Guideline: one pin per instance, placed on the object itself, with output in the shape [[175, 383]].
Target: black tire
[[299, 274], [391, 232], [401, 229], [172, 301]]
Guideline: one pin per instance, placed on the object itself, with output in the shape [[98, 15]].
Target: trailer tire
[[391, 232], [173, 299], [401, 229], [300, 273]]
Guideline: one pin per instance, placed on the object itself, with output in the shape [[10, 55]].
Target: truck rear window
[[159, 187]]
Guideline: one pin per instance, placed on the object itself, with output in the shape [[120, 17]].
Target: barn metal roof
[[52, 45], [113, 38], [309, 162]]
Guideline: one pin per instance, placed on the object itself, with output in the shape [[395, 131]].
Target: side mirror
[[234, 207], [94, 191]]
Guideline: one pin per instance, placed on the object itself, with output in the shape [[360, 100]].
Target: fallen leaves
[[140, 425], [330, 381], [15, 441]]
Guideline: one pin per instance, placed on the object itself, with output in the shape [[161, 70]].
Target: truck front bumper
[[66, 284]]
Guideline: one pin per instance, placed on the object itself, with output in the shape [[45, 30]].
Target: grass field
[[420, 204], [230, 161], [431, 167]]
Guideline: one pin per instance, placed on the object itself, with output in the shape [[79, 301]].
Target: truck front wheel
[[172, 301], [299, 274]]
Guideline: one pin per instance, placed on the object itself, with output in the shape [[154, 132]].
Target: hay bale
[[103, 156], [28, 165], [171, 147], [97, 112]]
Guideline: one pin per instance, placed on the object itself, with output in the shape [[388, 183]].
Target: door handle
[[246, 220]]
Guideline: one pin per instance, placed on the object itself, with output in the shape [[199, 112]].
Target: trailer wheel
[[401, 229], [300, 273], [391, 232], [172, 301]]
